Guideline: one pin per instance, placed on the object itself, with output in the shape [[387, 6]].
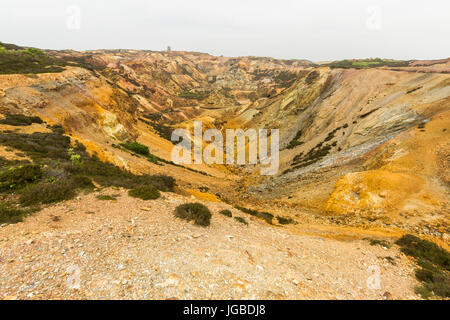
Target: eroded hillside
[[363, 147]]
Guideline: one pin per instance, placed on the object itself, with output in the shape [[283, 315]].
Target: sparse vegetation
[[377, 242], [105, 197], [284, 220], [153, 120], [295, 141], [241, 220], [315, 154], [421, 125], [434, 265], [318, 152], [19, 60], [197, 212], [226, 213], [15, 178], [285, 78], [194, 95], [413, 89], [147, 192], [368, 63], [136, 147], [60, 170], [48, 192], [268, 217], [8, 214], [312, 77]]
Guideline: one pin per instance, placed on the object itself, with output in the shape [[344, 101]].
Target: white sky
[[303, 29]]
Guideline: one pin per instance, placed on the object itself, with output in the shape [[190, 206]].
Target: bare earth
[[135, 249]]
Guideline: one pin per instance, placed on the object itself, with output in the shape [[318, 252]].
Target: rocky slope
[[364, 153], [134, 249]]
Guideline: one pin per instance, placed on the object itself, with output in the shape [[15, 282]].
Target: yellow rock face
[[406, 175], [372, 190]]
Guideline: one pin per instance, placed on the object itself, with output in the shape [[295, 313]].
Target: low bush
[[136, 147], [19, 120], [148, 192], [61, 169], [11, 215], [19, 177], [163, 182], [47, 192], [197, 212], [434, 265], [226, 213], [38, 145]]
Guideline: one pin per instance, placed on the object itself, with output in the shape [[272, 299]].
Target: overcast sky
[[317, 30]]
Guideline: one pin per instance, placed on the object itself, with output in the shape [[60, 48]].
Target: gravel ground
[[133, 249]]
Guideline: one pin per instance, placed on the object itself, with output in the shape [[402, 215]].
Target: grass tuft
[[147, 192]]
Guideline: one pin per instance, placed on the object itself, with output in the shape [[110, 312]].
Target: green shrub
[[19, 177], [82, 182], [34, 51], [241, 220], [148, 192], [197, 212], [226, 213], [162, 182], [63, 175], [38, 145], [434, 265], [11, 215], [136, 147], [19, 120], [107, 174], [48, 192]]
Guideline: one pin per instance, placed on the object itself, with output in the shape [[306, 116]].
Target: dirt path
[[134, 249]]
